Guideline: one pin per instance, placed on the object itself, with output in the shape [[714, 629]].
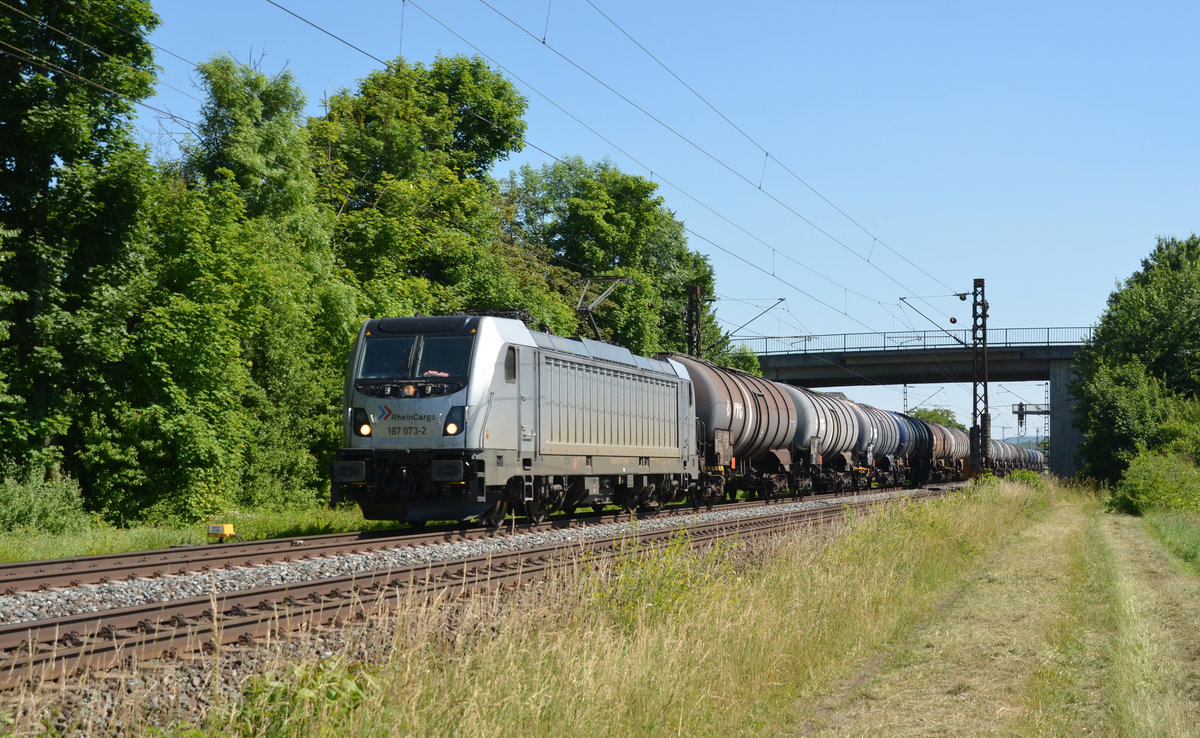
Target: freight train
[[475, 417]]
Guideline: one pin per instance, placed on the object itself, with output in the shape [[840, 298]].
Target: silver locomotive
[[465, 417]]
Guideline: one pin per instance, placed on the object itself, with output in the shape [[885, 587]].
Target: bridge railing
[[910, 340]]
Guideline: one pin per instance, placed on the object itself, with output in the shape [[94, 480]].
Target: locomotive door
[[527, 407]]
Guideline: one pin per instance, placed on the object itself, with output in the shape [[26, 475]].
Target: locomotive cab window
[[510, 365], [416, 357]]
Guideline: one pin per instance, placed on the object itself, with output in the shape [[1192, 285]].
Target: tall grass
[[672, 641], [1178, 531], [93, 536]]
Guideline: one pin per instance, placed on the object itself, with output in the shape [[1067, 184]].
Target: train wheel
[[535, 511], [494, 518]]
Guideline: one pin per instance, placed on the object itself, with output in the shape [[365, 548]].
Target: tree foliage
[[250, 129], [595, 221], [1143, 360], [72, 187], [939, 415], [401, 164], [173, 334]]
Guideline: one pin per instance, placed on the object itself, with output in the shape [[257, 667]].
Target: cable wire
[[714, 158]]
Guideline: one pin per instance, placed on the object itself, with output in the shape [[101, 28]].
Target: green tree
[[738, 357], [249, 127], [72, 187], [7, 297], [939, 415], [1143, 358], [228, 390], [402, 165], [595, 220], [487, 112]]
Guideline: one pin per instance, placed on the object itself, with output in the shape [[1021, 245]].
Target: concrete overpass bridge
[[915, 357]]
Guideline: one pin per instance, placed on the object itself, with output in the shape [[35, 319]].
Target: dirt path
[[1080, 626], [1157, 645]]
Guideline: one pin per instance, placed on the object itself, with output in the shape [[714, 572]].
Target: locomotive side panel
[[619, 418]]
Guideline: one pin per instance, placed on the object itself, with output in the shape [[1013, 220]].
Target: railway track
[[78, 571], [47, 649]]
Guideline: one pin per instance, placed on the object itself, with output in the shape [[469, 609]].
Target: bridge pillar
[[1065, 439]]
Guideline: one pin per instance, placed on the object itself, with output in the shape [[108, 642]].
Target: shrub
[[28, 500], [1157, 480]]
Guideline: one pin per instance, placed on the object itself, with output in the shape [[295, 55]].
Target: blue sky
[[843, 155]]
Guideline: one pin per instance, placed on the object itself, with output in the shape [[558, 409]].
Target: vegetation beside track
[[94, 536], [1019, 607], [1023, 599], [699, 643]]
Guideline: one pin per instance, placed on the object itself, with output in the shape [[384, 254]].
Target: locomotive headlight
[[455, 420], [409, 390], [362, 422]]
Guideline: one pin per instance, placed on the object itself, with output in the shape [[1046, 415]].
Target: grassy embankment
[[97, 537], [689, 643], [43, 519], [1015, 609]]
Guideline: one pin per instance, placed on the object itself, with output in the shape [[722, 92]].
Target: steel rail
[[25, 576], [53, 648]]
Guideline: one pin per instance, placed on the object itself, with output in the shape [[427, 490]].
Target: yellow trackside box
[[222, 531]]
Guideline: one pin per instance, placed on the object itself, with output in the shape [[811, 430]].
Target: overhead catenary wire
[[24, 56], [646, 167], [47, 65], [700, 148], [178, 118], [766, 154], [185, 122], [684, 192], [388, 64], [549, 155], [119, 27]]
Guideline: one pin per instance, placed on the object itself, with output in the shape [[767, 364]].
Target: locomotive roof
[[602, 351], [513, 329], [454, 324]]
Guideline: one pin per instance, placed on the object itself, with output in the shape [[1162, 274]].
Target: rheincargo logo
[[416, 417], [385, 413]]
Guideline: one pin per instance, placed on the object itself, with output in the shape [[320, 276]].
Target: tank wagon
[[473, 417]]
